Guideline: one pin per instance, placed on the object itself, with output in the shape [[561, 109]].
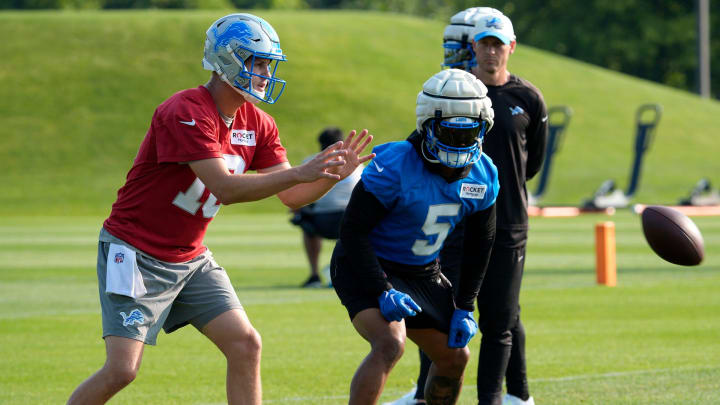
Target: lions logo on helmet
[[233, 43], [454, 114], [457, 37]]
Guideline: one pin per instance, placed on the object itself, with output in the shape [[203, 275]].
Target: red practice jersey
[[164, 209]]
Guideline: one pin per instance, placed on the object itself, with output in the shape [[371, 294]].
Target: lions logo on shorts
[[135, 317]]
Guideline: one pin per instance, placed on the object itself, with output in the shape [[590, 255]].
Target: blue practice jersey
[[424, 208]]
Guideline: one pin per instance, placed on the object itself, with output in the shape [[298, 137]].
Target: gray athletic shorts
[[166, 295]]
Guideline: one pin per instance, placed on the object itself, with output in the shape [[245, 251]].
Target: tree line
[[651, 39]]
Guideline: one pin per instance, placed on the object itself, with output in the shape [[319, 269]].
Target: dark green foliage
[[652, 39], [30, 4], [248, 4], [325, 3], [124, 4]]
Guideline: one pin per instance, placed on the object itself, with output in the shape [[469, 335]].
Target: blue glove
[[462, 328], [396, 305]]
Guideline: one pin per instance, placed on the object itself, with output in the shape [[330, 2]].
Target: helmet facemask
[[454, 142], [453, 115], [233, 45], [458, 55], [243, 82], [457, 37]]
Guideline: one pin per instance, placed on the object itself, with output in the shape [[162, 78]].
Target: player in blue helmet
[[385, 265], [244, 50]]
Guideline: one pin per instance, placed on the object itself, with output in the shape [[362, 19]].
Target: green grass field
[[653, 339]]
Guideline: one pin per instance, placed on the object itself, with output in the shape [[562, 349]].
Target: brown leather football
[[672, 235]]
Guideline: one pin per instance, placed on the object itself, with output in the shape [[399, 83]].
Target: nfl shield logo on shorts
[[119, 258]]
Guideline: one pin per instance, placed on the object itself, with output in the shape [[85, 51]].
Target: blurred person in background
[[321, 219]]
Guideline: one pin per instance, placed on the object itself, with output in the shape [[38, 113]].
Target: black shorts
[[324, 224], [434, 294]]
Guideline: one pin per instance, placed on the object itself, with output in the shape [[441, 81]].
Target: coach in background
[[517, 146], [321, 219], [481, 40], [153, 270]]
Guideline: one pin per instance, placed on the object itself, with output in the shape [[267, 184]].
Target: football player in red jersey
[[153, 270]]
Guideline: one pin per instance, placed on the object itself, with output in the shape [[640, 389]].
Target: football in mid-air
[[672, 235]]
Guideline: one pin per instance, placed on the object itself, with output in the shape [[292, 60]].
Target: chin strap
[[426, 157]]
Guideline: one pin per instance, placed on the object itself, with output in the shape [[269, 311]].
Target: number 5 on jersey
[[421, 247]]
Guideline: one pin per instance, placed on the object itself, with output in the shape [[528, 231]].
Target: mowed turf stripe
[[395, 393], [617, 374]]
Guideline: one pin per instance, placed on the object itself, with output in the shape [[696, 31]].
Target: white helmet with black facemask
[[453, 114], [233, 44], [457, 38]]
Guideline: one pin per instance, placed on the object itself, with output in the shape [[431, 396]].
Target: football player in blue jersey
[[385, 266], [481, 41]]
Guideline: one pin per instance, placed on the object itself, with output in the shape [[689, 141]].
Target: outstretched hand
[[338, 160], [353, 147], [323, 165]]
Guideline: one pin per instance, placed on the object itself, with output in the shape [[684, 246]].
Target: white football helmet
[[453, 114], [458, 36], [233, 43]]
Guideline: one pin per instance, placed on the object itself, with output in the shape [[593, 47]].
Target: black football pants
[[502, 345]]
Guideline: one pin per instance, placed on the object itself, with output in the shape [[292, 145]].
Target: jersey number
[[190, 199], [421, 247]]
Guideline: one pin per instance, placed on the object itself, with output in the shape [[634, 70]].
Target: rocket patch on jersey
[[475, 191], [242, 137]]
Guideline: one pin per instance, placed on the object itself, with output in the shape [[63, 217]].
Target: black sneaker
[[312, 282]]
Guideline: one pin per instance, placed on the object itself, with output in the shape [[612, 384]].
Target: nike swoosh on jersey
[[379, 169], [545, 118], [191, 123]]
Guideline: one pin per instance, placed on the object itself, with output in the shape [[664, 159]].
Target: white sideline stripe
[[536, 380]]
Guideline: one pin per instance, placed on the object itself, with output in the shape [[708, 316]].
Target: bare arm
[[298, 186], [305, 193], [233, 188]]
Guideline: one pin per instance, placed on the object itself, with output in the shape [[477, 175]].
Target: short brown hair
[[329, 136]]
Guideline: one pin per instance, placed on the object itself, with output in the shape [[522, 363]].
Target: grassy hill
[[78, 89]]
